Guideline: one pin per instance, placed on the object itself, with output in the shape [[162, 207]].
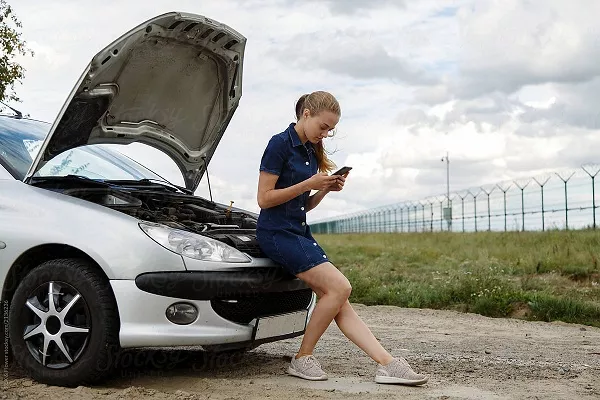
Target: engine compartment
[[155, 203]]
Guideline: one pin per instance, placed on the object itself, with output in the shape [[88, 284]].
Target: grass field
[[543, 276]]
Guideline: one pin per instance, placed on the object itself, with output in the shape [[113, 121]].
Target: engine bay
[[159, 204]]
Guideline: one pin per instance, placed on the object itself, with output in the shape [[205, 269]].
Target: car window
[[21, 140], [18, 144], [96, 162]]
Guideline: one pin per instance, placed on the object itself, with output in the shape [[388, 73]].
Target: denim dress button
[[307, 163]]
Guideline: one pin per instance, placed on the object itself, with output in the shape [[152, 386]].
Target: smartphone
[[342, 171]]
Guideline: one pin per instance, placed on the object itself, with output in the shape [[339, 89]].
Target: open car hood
[[173, 82]]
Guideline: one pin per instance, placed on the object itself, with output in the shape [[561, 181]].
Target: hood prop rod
[[207, 177]]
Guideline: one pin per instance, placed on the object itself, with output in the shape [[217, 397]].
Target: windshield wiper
[[167, 183], [153, 181]]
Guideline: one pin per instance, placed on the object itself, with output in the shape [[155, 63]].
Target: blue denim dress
[[282, 231]]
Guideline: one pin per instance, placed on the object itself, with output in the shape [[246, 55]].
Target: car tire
[[82, 300]]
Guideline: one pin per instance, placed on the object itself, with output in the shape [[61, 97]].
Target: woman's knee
[[346, 289], [327, 280]]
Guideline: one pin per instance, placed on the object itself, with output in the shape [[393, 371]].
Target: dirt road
[[467, 357]]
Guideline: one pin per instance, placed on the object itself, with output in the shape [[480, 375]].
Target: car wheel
[[64, 324]]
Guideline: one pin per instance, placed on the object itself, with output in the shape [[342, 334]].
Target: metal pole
[[523, 210], [489, 216], [587, 169], [449, 221], [431, 217], [542, 184], [401, 219], [463, 213], [522, 187], [504, 190], [566, 208], [543, 219], [504, 211], [475, 210], [566, 199], [594, 200]]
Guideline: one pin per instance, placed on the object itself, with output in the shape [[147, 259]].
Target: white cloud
[[507, 87]]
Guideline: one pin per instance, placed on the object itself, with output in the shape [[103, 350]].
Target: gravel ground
[[467, 356]]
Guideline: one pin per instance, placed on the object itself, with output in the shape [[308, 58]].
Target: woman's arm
[[268, 196], [315, 199]]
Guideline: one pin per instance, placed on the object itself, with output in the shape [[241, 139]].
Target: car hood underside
[[173, 82]]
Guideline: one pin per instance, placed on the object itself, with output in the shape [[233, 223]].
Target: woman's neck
[[300, 131]]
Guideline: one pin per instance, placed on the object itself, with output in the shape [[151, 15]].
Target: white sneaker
[[307, 367], [398, 371]]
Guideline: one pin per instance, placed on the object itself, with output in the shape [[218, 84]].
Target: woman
[[294, 163]]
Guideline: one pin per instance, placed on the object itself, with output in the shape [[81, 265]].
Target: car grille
[[254, 251], [246, 308]]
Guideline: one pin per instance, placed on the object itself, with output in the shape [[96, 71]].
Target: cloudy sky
[[509, 88]]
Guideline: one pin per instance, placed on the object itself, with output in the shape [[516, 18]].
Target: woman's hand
[[338, 184], [321, 181]]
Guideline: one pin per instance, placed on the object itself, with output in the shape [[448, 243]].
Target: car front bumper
[[229, 305]]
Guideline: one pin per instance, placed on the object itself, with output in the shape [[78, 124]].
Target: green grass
[[544, 276]]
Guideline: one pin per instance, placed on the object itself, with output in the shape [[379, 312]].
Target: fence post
[[566, 200], [422, 215], [542, 182], [430, 215], [522, 187], [416, 217], [408, 216], [450, 205], [441, 200], [504, 190], [587, 168], [462, 208], [475, 205], [488, 192], [401, 219]]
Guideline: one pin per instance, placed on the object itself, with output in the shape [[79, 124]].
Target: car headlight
[[192, 245]]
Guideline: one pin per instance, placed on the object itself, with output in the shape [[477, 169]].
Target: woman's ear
[[306, 113]]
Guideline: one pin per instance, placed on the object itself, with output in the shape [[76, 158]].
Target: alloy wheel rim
[[56, 324]]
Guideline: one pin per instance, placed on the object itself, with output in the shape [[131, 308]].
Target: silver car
[[97, 252]]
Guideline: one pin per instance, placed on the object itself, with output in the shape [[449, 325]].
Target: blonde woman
[[294, 163]]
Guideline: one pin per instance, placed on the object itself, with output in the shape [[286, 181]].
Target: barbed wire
[[488, 206]]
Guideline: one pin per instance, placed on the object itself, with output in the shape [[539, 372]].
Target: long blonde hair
[[316, 102]]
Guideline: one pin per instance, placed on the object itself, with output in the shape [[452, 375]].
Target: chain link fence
[[557, 200]]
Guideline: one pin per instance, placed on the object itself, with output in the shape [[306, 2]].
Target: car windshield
[[21, 140]]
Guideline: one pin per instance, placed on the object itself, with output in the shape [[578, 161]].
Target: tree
[[11, 45]]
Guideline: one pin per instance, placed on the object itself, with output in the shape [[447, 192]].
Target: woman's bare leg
[[331, 286], [358, 332], [335, 290]]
